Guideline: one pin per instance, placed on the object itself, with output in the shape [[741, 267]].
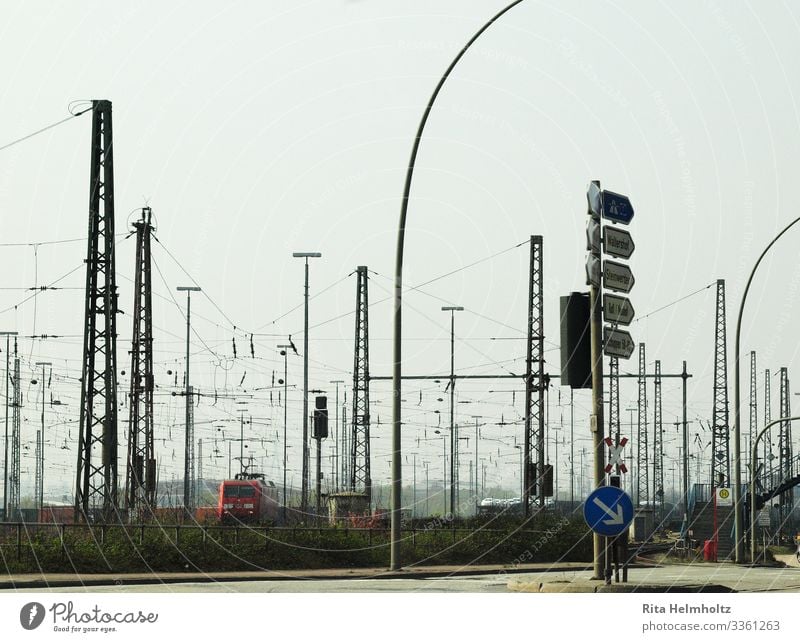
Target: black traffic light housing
[[319, 428]]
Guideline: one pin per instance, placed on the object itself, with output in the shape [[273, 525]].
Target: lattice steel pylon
[[720, 429], [785, 449], [96, 481], [753, 410], [16, 420], [37, 492], [613, 399], [658, 445], [360, 477], [767, 436], [192, 481], [140, 478], [643, 469], [535, 383]]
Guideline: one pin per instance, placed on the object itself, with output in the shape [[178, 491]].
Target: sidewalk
[[49, 580]]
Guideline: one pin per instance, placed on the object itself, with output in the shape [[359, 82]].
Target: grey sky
[[258, 129]]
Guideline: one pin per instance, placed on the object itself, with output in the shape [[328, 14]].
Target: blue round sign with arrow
[[608, 511]]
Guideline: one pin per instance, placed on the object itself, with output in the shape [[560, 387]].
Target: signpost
[[618, 242], [616, 207], [617, 343], [617, 309], [608, 511], [617, 276]]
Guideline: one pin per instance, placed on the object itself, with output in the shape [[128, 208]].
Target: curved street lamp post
[[397, 482]]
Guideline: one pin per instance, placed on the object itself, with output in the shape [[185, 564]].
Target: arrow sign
[[617, 277], [617, 343], [617, 242], [617, 207], [617, 309], [608, 511]]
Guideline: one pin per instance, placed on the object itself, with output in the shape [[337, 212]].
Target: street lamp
[[738, 525], [283, 348], [8, 335], [452, 309], [304, 491], [189, 439], [397, 366]]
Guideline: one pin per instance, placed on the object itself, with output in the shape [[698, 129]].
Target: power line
[[44, 129]]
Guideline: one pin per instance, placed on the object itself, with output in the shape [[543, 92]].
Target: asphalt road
[[737, 578]]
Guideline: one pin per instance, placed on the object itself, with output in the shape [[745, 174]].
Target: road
[[737, 578]]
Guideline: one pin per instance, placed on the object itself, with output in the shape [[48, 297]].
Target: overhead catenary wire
[[44, 129]]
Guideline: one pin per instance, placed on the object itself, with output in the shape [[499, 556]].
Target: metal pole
[[304, 490], [304, 498], [571, 450], [452, 414], [476, 460], [5, 450], [336, 437], [595, 305], [188, 437], [753, 484], [319, 477], [685, 463], [397, 366], [737, 431], [40, 498]]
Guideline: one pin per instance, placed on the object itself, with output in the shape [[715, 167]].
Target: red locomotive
[[248, 498]]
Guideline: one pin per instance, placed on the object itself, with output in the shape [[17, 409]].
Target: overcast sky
[[257, 129]]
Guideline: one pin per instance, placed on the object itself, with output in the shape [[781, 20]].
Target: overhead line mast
[[96, 480], [140, 476]]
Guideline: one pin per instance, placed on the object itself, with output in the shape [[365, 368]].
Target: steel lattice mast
[[642, 473], [190, 505], [16, 420], [785, 448], [658, 444], [534, 381], [767, 418], [753, 406], [37, 492], [140, 478], [360, 478], [720, 438], [96, 485], [613, 399]]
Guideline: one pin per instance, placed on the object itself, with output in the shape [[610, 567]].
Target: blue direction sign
[[608, 511], [617, 208]]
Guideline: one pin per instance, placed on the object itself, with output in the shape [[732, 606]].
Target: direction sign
[[617, 276], [617, 343], [617, 242], [608, 511], [617, 208], [617, 309]]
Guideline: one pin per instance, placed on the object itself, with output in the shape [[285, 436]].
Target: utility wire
[[683, 298], [44, 129]]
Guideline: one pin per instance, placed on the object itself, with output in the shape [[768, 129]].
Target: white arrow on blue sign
[[617, 207], [608, 511]]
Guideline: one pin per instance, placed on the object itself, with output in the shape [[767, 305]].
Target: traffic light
[[576, 353], [319, 428]]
